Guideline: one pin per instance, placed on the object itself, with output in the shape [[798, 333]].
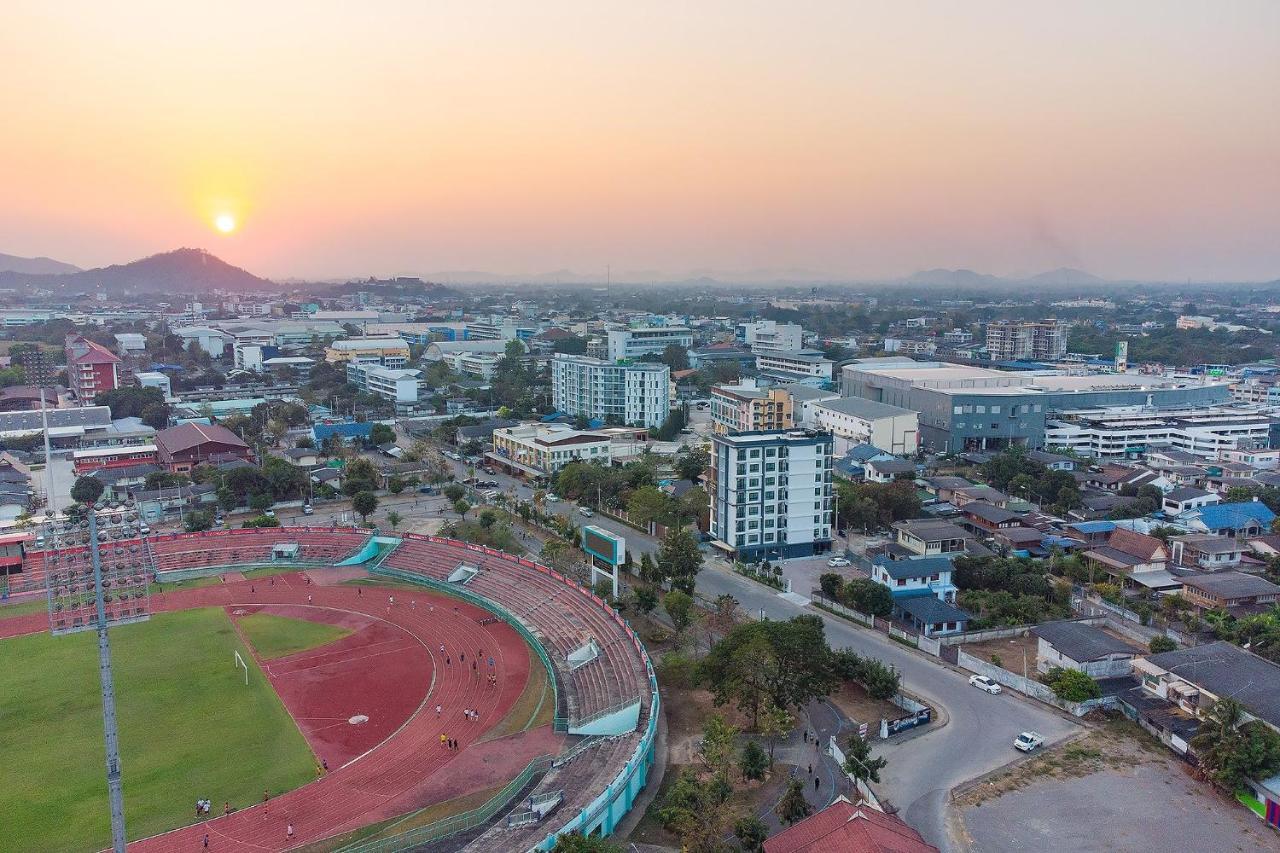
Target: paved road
[[922, 769]]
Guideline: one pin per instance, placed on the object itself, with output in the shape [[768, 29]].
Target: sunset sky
[[1130, 139]]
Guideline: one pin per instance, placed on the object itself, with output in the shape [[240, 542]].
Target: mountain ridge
[[35, 266]]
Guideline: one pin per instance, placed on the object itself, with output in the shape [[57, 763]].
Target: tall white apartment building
[[771, 336], [396, 385], [627, 393], [771, 493], [1012, 340], [643, 340]]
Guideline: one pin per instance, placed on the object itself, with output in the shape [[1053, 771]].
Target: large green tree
[[679, 560], [786, 663], [1231, 751]]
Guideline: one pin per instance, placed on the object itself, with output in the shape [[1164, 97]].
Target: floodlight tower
[[91, 587]]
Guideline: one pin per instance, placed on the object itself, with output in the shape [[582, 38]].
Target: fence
[[863, 789], [1004, 633], [1030, 686]]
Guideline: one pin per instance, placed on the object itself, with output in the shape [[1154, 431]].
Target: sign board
[[606, 551]]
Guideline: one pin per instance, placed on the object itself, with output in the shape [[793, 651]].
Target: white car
[[1028, 741], [307, 510], [839, 562], [552, 498], [585, 512], [985, 684]]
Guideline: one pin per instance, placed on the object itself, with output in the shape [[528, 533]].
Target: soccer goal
[[240, 664]]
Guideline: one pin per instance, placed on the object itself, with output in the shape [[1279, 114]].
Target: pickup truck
[[1028, 742]]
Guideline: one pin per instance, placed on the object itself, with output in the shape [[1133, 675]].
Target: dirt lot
[[1113, 789], [857, 705], [1010, 651]]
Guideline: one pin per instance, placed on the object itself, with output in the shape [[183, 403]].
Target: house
[[1053, 461], [1235, 592], [1194, 679], [1245, 519], [159, 504], [303, 457], [986, 494], [1092, 532], [1125, 555], [1206, 552], [925, 537], [983, 518], [1186, 498], [346, 432], [1020, 539], [852, 466], [843, 827], [888, 470], [119, 482], [181, 448], [1084, 648], [482, 432], [916, 576], [930, 616], [1116, 478], [944, 488]]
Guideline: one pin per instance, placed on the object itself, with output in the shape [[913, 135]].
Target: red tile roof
[[94, 353], [845, 828], [186, 436]]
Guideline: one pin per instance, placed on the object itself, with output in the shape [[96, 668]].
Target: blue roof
[[1093, 526], [345, 430], [865, 453], [915, 567], [1233, 516], [929, 608]]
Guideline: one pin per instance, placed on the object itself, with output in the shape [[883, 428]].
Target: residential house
[[1245, 519], [1236, 593], [1186, 498], [843, 827], [986, 494], [853, 465], [926, 537], [303, 457], [1126, 556], [1206, 552], [1053, 461], [984, 519], [888, 470], [1084, 648]]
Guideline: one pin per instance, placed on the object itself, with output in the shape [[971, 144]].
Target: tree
[[396, 484], [647, 505], [775, 723], [359, 476], [380, 434], [783, 662], [364, 503], [645, 600], [793, 807], [867, 596], [260, 502], [1072, 685], [690, 464], [575, 842], [753, 762], [698, 812], [716, 747], [679, 607], [751, 833], [394, 518], [675, 357], [155, 415], [1231, 752], [129, 401], [454, 492], [164, 480], [195, 521], [87, 490], [859, 762], [679, 560], [831, 584], [461, 507], [1161, 643]]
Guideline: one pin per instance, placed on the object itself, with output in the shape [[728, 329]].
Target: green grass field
[[279, 636], [189, 728]]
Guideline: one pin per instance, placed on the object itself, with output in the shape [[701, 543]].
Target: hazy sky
[[1132, 139]]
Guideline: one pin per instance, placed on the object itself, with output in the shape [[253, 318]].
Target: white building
[[771, 336], [1206, 431], [397, 385], [495, 329], [853, 420], [802, 365], [771, 493], [804, 399], [627, 393], [481, 365], [540, 450], [441, 350], [643, 340], [210, 340], [131, 343], [155, 379]]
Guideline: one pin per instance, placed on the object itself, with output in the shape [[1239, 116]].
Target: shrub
[[1161, 643], [1071, 685]]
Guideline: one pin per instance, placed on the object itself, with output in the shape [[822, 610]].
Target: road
[[922, 770]]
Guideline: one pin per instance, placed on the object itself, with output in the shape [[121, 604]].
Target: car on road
[[586, 511], [839, 562], [269, 513], [307, 510], [984, 684], [552, 497], [1028, 741]]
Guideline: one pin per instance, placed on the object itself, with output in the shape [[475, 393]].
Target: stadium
[[330, 689]]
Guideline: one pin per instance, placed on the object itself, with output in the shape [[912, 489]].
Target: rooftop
[[1081, 642], [858, 407], [845, 828], [1228, 585], [1226, 670]]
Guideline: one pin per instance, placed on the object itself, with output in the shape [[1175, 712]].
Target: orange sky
[[1132, 139]]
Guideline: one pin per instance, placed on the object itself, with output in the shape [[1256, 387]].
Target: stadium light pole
[[115, 788]]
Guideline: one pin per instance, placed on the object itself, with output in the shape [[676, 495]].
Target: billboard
[[605, 545]]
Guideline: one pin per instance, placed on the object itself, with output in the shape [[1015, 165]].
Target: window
[[981, 410], [958, 410], [903, 582], [995, 410]]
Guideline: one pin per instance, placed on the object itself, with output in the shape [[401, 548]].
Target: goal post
[[240, 664]]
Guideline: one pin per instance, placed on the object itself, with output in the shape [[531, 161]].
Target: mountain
[[34, 266], [953, 278], [182, 271], [1066, 275]]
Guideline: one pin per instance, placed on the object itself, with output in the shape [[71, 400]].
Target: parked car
[[143, 529], [269, 513], [307, 510], [985, 684], [489, 471], [839, 562], [586, 511], [1028, 741], [428, 490], [552, 497]]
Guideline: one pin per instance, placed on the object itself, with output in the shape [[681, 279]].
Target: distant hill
[[953, 278], [34, 266], [1066, 275], [182, 271]]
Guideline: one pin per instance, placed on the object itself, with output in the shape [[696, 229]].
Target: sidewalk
[[822, 778]]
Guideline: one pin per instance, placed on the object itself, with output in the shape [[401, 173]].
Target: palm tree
[[1219, 740]]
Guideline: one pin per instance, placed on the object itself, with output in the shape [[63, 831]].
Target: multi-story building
[[155, 379], [540, 450], [800, 366], [497, 329], [612, 392], [388, 352], [210, 340], [957, 337], [397, 385], [747, 408], [638, 341], [771, 336], [853, 420], [91, 368], [131, 343], [771, 493], [1204, 431], [1013, 340], [446, 350], [37, 367]]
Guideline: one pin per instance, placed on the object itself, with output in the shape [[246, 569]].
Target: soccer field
[[189, 729]]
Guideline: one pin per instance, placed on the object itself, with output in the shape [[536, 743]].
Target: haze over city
[[1136, 140]]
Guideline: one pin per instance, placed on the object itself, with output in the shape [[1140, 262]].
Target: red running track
[[403, 772]]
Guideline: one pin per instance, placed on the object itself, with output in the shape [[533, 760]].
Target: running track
[[403, 772]]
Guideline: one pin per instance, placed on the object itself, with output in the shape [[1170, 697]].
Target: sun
[[225, 222]]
